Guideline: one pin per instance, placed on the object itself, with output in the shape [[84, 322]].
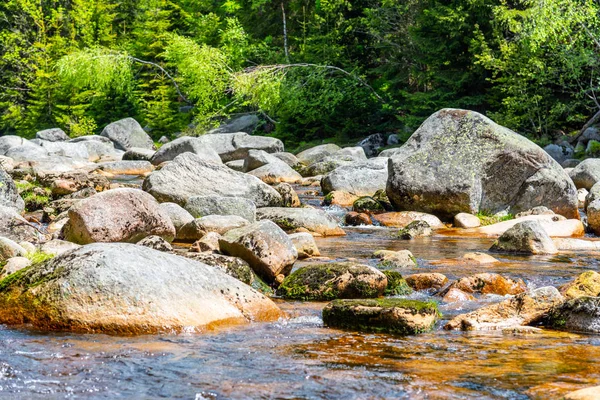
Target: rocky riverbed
[[455, 266]]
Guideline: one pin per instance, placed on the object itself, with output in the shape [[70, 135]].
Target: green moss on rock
[[397, 285]]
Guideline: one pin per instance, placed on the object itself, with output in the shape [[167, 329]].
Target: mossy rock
[[383, 199], [414, 230], [400, 316], [397, 285], [34, 195], [367, 204], [333, 281]]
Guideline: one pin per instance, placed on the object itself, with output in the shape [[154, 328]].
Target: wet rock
[[301, 219], [275, 173], [156, 243], [305, 245], [524, 309], [139, 154], [581, 314], [591, 393], [127, 133], [15, 227], [13, 265], [339, 198], [188, 175], [372, 143], [317, 153], [119, 215], [200, 206], [399, 316], [127, 167], [522, 331], [185, 144], [460, 161], [9, 248], [289, 197], [527, 237], [52, 135], [333, 281], [383, 199], [121, 288], [264, 246], [209, 243], [490, 283], [360, 179], [367, 204], [57, 247], [427, 281], [586, 284], [177, 214], [415, 229], [478, 258], [357, 219], [395, 259], [396, 284], [465, 220], [455, 295], [403, 218], [245, 123], [9, 195]]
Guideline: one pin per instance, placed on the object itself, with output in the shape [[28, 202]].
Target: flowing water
[[298, 358]]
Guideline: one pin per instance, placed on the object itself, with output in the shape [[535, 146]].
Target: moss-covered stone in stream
[[332, 281], [382, 198], [367, 204], [397, 285], [401, 316]]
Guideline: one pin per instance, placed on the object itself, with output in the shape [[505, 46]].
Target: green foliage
[[34, 195]]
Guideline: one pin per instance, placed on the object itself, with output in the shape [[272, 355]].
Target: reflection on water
[[299, 359]]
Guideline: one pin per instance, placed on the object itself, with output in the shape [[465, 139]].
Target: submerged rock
[[415, 229], [128, 289], [460, 161], [357, 219], [455, 295], [403, 218], [400, 316], [528, 237], [333, 281], [301, 219], [490, 283]]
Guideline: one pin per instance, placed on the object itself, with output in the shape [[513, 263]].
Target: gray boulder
[[236, 165], [235, 146], [372, 144], [57, 247], [66, 149], [276, 172], [460, 161], [177, 214], [586, 174], [118, 215], [527, 237], [577, 315], [305, 245], [138, 154], [301, 220], [10, 141], [288, 158], [182, 145], [127, 133], [28, 151], [156, 243], [9, 248], [359, 179], [200, 206], [127, 289], [189, 175], [259, 158], [560, 152], [129, 167], [52, 135], [317, 153], [15, 227], [9, 195], [245, 123]]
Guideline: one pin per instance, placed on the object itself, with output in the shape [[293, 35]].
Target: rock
[[29, 247], [339, 198], [260, 158], [333, 281], [245, 123], [465, 220], [236, 165], [393, 140], [524, 309], [98, 149], [581, 314], [15, 227], [209, 243], [92, 138], [381, 197], [395, 259], [67, 183], [185, 144], [276, 173], [139, 154], [264, 246], [163, 140], [576, 245], [232, 266], [371, 144], [490, 283], [188, 175], [399, 316], [478, 258], [301, 219], [528, 237], [305, 245], [9, 248], [289, 197], [221, 223], [594, 194], [9, 195], [66, 149], [125, 289], [368, 205], [317, 153], [403, 218], [177, 214], [586, 174], [427, 281], [415, 229], [127, 133], [289, 159], [200, 206], [357, 219], [593, 216], [460, 161], [455, 295], [13, 265], [360, 179], [127, 167], [593, 148], [7, 164], [235, 146], [57, 247], [560, 152], [156, 243], [52, 135], [591, 393], [396, 284], [581, 196], [586, 284], [327, 165], [119, 215], [554, 225], [570, 163]]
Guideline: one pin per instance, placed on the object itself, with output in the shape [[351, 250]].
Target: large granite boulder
[[236, 146], [52, 135], [460, 161], [127, 133], [360, 179], [200, 206], [528, 237], [122, 288], [183, 145], [119, 215], [245, 123], [190, 175], [317, 153], [301, 220]]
